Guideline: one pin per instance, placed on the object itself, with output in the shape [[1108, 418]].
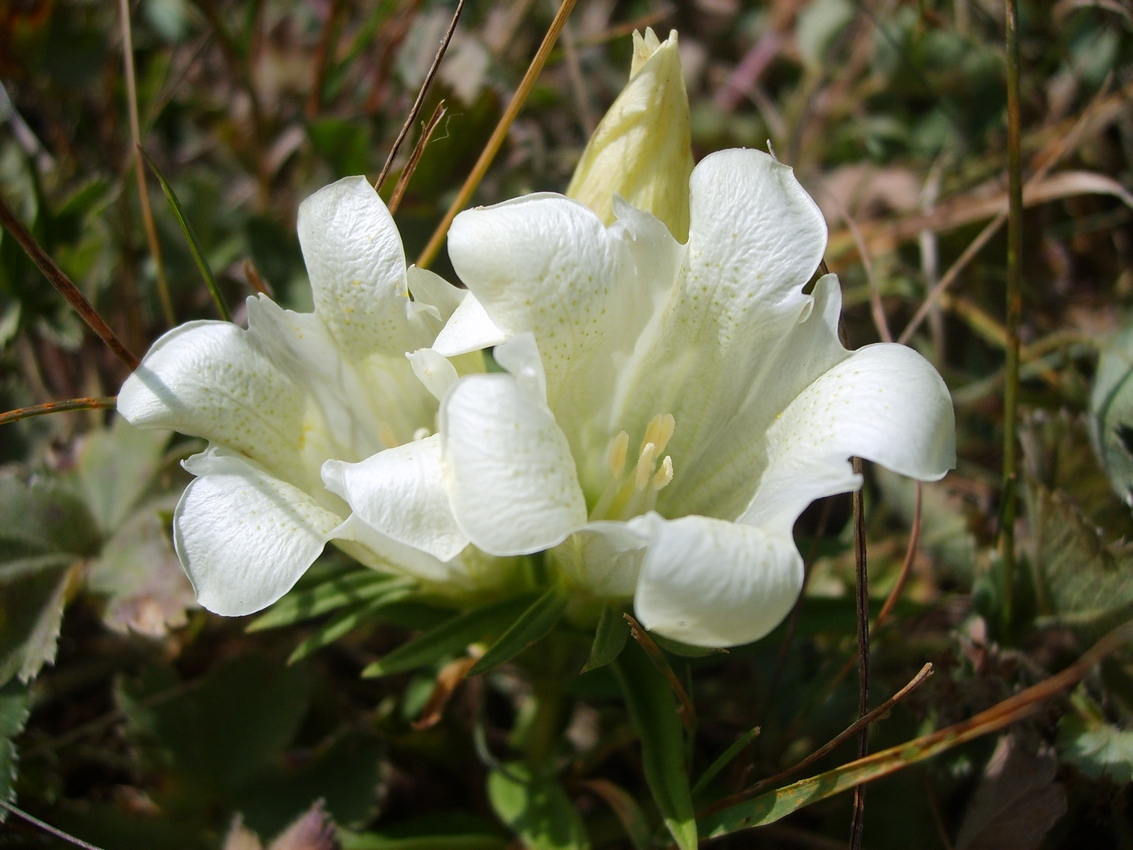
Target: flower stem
[[1014, 311]]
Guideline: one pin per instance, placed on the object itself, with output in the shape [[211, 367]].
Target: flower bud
[[642, 150]]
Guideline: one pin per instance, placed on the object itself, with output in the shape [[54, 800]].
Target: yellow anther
[[659, 431], [617, 455], [645, 466], [663, 475]]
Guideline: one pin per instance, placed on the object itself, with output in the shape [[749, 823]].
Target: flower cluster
[[667, 407]]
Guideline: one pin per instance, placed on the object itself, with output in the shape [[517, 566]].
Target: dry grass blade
[[832, 744], [58, 278], [906, 565], [19, 413], [420, 101], [687, 710], [415, 158], [861, 585], [498, 135], [139, 168]]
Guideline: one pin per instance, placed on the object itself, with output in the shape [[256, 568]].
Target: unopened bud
[[642, 150]]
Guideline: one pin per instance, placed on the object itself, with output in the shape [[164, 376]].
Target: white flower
[[296, 390], [668, 410]]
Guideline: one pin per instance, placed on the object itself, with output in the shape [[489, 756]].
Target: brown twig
[[48, 828], [415, 158], [498, 135], [19, 413], [857, 821], [415, 110], [687, 710], [58, 278]]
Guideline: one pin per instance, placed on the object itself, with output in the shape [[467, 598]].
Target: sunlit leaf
[[609, 638], [653, 710], [536, 809]]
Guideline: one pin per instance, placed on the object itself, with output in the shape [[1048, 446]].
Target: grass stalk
[[1014, 312]]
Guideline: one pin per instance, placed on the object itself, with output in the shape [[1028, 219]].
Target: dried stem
[[857, 822], [415, 158], [139, 168], [906, 567], [16, 415], [1014, 312], [65, 285], [417, 104], [498, 135], [48, 828]]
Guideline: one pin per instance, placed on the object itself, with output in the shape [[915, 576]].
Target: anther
[[664, 475], [617, 454], [645, 466]]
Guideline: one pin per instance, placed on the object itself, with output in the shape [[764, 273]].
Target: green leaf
[[298, 605], [536, 809], [609, 638], [724, 760], [44, 516], [349, 620], [33, 593], [345, 145], [228, 728], [375, 841], [1111, 411], [451, 636], [191, 238], [533, 624], [653, 710], [1099, 750], [627, 810], [116, 466], [14, 709]]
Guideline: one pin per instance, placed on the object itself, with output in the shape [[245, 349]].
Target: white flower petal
[[884, 403], [243, 536], [755, 239], [508, 469], [433, 370], [603, 557], [430, 288], [469, 329], [380, 551], [212, 380], [708, 582], [520, 356], [400, 493], [546, 264], [356, 264]]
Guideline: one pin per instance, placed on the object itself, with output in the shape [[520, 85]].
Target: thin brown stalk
[[415, 158], [322, 57], [420, 101], [48, 828], [857, 821], [58, 278], [139, 169], [876, 308], [255, 279], [687, 710], [827, 748], [19, 413], [498, 135], [906, 566]]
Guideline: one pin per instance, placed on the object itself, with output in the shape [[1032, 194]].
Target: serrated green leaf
[[533, 624], [724, 760], [299, 605], [191, 239], [351, 619], [609, 638], [14, 709], [1099, 750], [536, 809], [33, 594], [44, 516], [451, 636], [1111, 411], [116, 466], [653, 710]]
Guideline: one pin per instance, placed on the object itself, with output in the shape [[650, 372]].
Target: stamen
[[420, 434], [665, 432], [645, 466], [664, 475], [386, 435], [617, 454]]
